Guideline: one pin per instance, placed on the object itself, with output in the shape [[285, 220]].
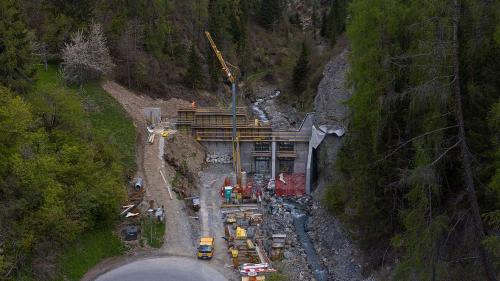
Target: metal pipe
[[235, 152]]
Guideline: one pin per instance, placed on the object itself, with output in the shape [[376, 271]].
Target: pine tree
[[218, 25], [324, 24], [194, 74], [269, 13], [243, 40], [333, 22], [301, 71], [314, 20], [16, 55]]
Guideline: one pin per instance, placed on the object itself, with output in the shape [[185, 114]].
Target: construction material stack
[[242, 221]]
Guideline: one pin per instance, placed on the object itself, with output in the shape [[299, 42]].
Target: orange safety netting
[[293, 185]]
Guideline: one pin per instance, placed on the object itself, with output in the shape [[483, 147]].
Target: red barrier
[[293, 185]]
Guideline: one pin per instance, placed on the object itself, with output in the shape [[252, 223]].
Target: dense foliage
[[16, 57], [405, 192], [61, 175], [57, 181]]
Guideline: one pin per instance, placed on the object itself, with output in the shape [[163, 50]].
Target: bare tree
[[86, 57], [129, 47]]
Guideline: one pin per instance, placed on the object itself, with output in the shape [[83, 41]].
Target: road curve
[[164, 269]]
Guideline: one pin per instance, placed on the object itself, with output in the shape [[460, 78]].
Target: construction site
[[228, 184]]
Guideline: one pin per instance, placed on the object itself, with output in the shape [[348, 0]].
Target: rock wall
[[333, 245], [330, 101]]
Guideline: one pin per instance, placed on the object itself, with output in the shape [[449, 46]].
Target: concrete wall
[[152, 115], [247, 161], [300, 163], [218, 147]]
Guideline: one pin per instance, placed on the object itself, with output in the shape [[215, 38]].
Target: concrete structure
[[262, 149], [152, 115]]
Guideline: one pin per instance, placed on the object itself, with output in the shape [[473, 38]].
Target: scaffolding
[[214, 124]]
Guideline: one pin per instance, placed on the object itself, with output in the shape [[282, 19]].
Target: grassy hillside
[[87, 252], [109, 124]]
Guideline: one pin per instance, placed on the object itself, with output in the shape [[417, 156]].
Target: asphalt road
[[164, 269]]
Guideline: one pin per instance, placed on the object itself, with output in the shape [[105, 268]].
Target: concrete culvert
[[138, 184]]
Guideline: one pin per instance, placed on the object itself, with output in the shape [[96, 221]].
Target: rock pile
[[219, 158], [279, 220]]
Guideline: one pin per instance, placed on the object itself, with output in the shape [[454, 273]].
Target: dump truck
[[206, 248]]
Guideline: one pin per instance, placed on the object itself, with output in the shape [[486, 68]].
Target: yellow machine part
[[166, 132], [234, 253], [241, 233]]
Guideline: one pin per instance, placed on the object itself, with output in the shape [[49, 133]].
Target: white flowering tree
[[86, 57]]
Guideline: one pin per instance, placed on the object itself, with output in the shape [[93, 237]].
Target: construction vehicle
[[231, 77], [206, 248]]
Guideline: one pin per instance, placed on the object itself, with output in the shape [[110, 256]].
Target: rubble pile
[[219, 158], [279, 220]]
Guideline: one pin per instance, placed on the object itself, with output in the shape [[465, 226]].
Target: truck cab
[[206, 248]]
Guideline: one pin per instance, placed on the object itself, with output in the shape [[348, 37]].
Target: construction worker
[[193, 104]]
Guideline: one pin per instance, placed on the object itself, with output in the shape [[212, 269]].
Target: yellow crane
[[231, 78], [222, 62]]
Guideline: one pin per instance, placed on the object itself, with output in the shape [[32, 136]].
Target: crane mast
[[232, 79]]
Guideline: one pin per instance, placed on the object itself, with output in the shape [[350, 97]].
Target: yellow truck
[[206, 248]]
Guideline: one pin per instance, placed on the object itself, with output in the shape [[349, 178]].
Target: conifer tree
[[269, 13], [194, 74], [333, 22], [314, 20], [217, 26], [16, 55], [301, 71]]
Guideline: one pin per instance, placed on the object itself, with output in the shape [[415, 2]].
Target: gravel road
[[211, 179], [180, 239]]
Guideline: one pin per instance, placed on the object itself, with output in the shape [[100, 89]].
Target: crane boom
[[232, 79], [222, 62]]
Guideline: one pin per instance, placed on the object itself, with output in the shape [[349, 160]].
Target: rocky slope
[[333, 245], [330, 101]]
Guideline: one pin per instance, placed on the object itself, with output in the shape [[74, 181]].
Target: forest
[[418, 175], [420, 169]]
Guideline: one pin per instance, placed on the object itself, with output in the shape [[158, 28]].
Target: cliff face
[[331, 108], [333, 93], [333, 244]]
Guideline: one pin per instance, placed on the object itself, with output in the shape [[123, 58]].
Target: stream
[[300, 217], [300, 220], [257, 110]]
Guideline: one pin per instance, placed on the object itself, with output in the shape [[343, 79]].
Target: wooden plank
[[168, 187]]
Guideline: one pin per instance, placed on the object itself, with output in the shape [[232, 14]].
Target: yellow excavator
[[231, 78]]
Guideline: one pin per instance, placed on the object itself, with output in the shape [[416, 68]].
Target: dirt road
[[178, 240], [181, 231], [211, 179]]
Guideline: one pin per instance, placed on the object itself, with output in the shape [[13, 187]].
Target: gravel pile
[[219, 158]]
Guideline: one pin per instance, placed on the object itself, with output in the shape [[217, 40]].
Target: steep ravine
[[333, 245]]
